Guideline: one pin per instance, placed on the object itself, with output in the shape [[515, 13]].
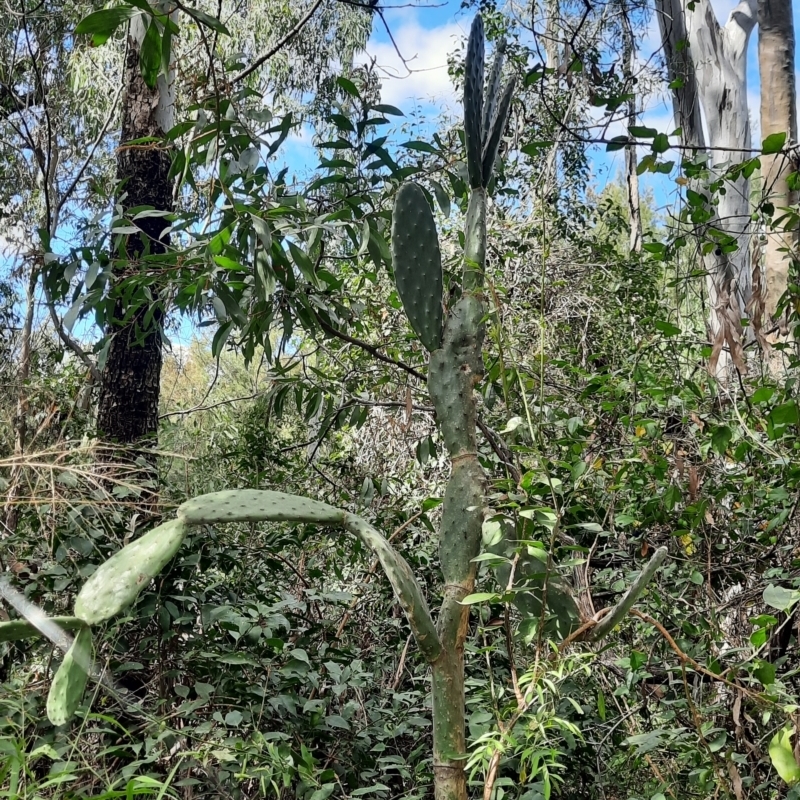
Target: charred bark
[[129, 389]]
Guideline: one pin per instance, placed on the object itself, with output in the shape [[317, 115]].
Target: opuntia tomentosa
[[455, 368], [69, 682]]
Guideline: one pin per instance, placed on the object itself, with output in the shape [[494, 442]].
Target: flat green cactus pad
[[473, 101], [15, 630], [418, 264], [116, 583], [493, 90], [255, 505], [495, 133], [69, 682]]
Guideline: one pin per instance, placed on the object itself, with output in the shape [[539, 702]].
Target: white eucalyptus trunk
[[778, 115], [715, 72]]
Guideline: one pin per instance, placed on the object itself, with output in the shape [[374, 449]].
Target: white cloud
[[423, 78]]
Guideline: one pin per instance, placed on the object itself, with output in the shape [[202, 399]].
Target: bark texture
[[631, 165], [778, 115], [714, 72], [129, 389]]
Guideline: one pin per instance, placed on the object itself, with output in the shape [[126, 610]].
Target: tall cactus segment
[[493, 90], [418, 264], [456, 367], [495, 133], [473, 102]]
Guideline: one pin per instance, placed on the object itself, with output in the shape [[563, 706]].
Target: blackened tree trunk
[[129, 390]]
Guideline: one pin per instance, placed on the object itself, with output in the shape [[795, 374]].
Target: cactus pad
[[15, 630], [254, 505], [473, 102], [406, 589], [70, 679], [495, 134], [493, 90], [418, 264], [116, 583]]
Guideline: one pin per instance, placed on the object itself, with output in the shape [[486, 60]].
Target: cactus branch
[[253, 505], [493, 89], [405, 586], [473, 101]]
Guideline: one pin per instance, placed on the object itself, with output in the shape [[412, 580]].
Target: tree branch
[[301, 23], [620, 610], [371, 349], [66, 338]]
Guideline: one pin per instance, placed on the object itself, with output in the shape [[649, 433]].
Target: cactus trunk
[[454, 372], [455, 369]]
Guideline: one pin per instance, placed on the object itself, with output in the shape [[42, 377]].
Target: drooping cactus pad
[[255, 505], [70, 679]]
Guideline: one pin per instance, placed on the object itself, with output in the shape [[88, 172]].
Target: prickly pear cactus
[[494, 133], [255, 505], [493, 90], [418, 264], [116, 583], [69, 682], [15, 630], [473, 102]]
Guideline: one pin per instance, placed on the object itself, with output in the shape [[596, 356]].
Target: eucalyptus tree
[[65, 105], [712, 73], [305, 46], [776, 54]]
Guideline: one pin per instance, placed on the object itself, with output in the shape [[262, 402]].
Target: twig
[[621, 609], [65, 337], [687, 659], [114, 105], [209, 407], [500, 450], [399, 674], [279, 46], [371, 349]]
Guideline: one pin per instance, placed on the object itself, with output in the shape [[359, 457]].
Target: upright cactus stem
[[475, 242], [455, 370]]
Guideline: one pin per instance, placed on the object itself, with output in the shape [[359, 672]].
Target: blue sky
[[426, 32]]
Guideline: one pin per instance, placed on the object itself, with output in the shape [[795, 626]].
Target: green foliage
[[265, 659], [782, 756]]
